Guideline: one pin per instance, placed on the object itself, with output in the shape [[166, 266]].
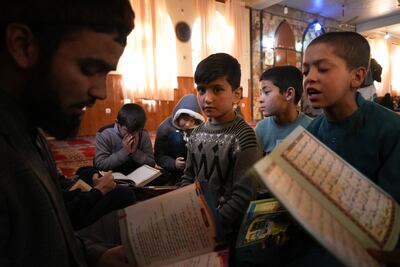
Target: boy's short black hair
[[217, 66], [50, 20], [284, 77], [132, 116], [352, 47]]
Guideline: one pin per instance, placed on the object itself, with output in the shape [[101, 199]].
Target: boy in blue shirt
[[224, 147], [362, 132], [281, 91]]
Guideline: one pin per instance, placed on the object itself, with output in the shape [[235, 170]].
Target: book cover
[[173, 227], [340, 207], [265, 219]]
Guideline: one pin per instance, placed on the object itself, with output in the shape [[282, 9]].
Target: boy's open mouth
[[312, 91]]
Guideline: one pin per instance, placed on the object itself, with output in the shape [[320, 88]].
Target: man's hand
[[180, 163], [105, 184], [114, 257], [390, 258]]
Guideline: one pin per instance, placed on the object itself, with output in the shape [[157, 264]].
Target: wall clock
[[182, 31]]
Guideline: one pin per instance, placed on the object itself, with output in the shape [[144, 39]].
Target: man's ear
[[290, 94], [237, 95], [358, 76], [22, 45]]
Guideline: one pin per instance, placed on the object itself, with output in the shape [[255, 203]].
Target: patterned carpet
[[74, 153]]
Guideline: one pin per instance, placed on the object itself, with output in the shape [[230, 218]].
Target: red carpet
[[74, 153]]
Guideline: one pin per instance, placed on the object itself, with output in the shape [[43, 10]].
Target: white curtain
[[380, 51], [395, 70], [148, 64], [240, 43], [215, 32]]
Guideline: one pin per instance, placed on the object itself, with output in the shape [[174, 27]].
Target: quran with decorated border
[[345, 211], [177, 229]]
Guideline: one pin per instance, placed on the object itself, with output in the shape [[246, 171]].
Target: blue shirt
[[369, 140], [269, 133]]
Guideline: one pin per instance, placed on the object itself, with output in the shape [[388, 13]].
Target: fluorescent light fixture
[[285, 10]]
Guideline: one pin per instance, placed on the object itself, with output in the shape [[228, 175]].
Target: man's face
[[71, 80], [327, 81], [216, 99], [272, 102]]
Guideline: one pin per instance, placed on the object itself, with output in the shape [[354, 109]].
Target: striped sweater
[[222, 154]]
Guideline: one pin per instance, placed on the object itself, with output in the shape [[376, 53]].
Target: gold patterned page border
[[317, 220], [357, 197]]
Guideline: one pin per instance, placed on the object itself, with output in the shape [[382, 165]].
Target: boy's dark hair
[[132, 116], [217, 66], [50, 20], [284, 77], [352, 47]]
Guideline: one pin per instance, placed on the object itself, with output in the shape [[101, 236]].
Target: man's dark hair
[[132, 116], [284, 77], [217, 66], [352, 47], [50, 20]]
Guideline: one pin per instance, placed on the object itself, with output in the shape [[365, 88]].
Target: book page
[[80, 184], [143, 175], [212, 259], [366, 209], [315, 219], [119, 176], [171, 227]]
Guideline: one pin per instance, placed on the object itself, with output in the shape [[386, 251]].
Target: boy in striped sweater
[[224, 147]]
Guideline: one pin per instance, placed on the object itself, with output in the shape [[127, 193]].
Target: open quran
[[339, 206], [177, 229]]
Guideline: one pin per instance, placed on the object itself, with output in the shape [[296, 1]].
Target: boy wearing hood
[[170, 144]]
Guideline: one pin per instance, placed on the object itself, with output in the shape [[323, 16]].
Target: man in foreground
[[54, 58]]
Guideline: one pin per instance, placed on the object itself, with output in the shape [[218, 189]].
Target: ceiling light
[[317, 27], [387, 36], [285, 10]]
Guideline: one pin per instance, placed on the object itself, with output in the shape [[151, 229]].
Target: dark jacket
[[187, 105], [34, 226]]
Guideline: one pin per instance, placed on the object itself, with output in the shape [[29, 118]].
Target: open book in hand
[[265, 219], [140, 177], [179, 228], [339, 206]]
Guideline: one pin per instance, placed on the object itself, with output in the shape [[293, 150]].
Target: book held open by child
[[345, 211], [179, 228], [140, 177]]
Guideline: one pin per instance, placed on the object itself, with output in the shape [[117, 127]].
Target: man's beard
[[43, 106]]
